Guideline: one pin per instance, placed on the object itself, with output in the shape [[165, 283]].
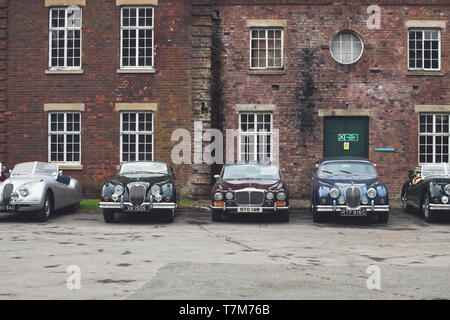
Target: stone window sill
[[266, 72], [425, 73], [62, 71], [70, 167], [136, 71]]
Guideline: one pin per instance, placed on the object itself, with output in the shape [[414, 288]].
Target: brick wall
[[3, 54], [100, 87], [314, 81]]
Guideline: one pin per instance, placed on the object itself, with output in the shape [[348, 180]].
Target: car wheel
[[383, 217], [427, 213], [407, 208], [169, 217], [284, 216], [75, 207], [216, 216], [44, 213], [318, 217], [109, 215]]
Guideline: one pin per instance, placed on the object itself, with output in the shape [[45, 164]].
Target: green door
[[346, 137]]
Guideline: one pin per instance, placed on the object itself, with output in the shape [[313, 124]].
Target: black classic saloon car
[[250, 189], [428, 190], [142, 186], [348, 187]]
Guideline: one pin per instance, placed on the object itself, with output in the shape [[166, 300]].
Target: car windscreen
[[433, 170], [144, 167], [251, 172], [35, 168], [346, 169]]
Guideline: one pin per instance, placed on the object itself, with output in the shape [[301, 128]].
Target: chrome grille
[[137, 194], [7, 191], [353, 196], [249, 197]]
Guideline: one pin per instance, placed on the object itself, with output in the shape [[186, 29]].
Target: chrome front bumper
[[265, 209], [442, 207], [151, 206], [336, 208], [25, 206]]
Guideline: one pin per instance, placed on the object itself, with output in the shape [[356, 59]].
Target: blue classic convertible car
[[348, 187]]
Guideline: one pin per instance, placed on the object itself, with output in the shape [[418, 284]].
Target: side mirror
[[217, 177], [410, 173], [60, 172]]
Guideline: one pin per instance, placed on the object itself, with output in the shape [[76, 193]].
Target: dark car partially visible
[[250, 189]]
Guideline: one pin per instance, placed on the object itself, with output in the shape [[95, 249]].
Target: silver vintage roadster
[[39, 187]]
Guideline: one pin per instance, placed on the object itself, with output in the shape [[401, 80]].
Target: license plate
[[137, 208], [8, 208], [250, 209], [353, 213]]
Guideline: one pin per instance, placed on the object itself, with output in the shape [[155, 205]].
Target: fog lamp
[[444, 199]]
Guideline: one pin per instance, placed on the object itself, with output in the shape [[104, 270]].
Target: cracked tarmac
[[243, 258]]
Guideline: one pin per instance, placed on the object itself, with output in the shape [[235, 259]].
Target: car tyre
[[407, 208], [216, 215], [284, 216], [427, 213], [109, 215], [74, 208], [169, 217], [46, 211], [383, 217], [319, 217]]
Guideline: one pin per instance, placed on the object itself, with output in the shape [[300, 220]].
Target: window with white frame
[[137, 38], [65, 38], [424, 49], [266, 48], [64, 137], [136, 136], [255, 137], [434, 138]]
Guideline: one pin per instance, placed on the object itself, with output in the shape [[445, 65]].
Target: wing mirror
[[411, 173], [217, 177]]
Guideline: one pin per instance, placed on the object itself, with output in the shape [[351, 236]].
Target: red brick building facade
[[112, 82]]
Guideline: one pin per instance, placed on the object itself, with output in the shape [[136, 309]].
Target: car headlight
[[364, 200], [115, 197], [371, 193], [14, 196], [447, 189], [23, 191], [218, 196], [341, 200], [270, 196], [444, 199], [119, 190], [334, 193], [155, 189], [229, 195], [281, 196]]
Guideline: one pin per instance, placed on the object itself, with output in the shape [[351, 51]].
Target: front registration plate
[[8, 208], [137, 208], [250, 209], [353, 213]]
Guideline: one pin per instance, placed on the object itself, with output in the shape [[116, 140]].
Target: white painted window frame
[[255, 134], [137, 133], [423, 48], [65, 133], [339, 34], [137, 28], [267, 29], [433, 134], [65, 29]]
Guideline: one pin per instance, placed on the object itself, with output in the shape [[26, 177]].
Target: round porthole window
[[347, 47]]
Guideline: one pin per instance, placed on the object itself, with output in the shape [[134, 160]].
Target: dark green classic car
[[428, 190], [140, 187]]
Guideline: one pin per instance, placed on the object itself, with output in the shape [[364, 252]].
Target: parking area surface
[[247, 258]]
